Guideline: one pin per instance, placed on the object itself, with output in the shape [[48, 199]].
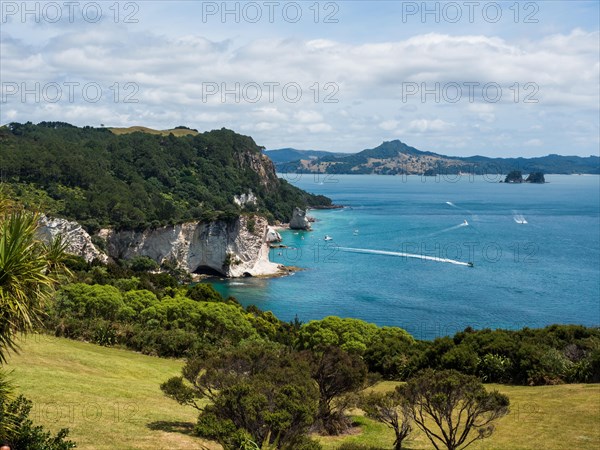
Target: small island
[[536, 177], [515, 176]]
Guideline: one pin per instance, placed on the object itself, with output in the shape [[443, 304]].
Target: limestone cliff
[[230, 248], [78, 241]]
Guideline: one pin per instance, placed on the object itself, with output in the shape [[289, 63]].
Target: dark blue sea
[[535, 251]]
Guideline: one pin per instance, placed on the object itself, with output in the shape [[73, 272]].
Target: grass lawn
[[541, 417], [176, 132], [110, 398]]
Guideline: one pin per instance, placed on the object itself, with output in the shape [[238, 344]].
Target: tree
[[204, 292], [391, 409], [452, 409], [29, 272], [389, 352], [142, 264], [337, 374], [352, 335], [257, 391]]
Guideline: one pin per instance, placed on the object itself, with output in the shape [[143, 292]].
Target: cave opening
[[206, 270]]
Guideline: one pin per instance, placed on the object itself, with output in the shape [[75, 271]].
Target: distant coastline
[[398, 158]]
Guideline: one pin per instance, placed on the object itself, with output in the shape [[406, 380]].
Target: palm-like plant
[[29, 271], [6, 419]]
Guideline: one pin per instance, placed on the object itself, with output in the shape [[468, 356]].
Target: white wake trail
[[519, 218], [445, 230], [403, 255]]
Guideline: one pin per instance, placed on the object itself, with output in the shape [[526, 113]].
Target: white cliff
[[273, 235], [233, 249], [299, 220], [78, 241], [245, 199]]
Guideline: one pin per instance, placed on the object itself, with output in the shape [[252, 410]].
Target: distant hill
[[396, 157], [285, 155]]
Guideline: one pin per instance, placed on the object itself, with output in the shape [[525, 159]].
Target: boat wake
[[519, 218], [445, 230], [404, 255], [473, 216]]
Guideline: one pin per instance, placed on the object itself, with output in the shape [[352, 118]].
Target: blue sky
[[518, 79]]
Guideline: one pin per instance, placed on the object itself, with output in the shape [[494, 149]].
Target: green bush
[[494, 368], [352, 335], [142, 264], [23, 434]]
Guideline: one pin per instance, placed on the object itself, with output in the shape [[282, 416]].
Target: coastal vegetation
[[254, 380], [137, 180]]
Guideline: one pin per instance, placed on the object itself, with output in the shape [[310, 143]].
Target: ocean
[[400, 248]]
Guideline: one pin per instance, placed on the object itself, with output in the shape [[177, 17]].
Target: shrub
[[23, 434], [142, 264]]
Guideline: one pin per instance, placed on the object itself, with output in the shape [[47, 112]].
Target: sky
[[459, 78]]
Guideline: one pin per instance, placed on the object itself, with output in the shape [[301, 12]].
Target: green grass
[[110, 398], [176, 132], [541, 417]]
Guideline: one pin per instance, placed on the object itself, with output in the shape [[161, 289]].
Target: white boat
[[355, 233], [327, 238], [465, 223]]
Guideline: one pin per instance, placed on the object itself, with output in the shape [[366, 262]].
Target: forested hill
[[395, 157], [137, 180]]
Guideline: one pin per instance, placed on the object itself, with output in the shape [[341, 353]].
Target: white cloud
[[264, 126], [172, 72], [424, 125], [319, 127], [534, 143], [389, 125], [305, 116]]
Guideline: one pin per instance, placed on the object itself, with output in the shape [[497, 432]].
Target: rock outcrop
[[78, 241], [515, 176], [245, 199], [536, 177], [273, 235], [229, 248], [299, 220]]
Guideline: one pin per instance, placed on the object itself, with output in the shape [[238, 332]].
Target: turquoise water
[[544, 271]]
